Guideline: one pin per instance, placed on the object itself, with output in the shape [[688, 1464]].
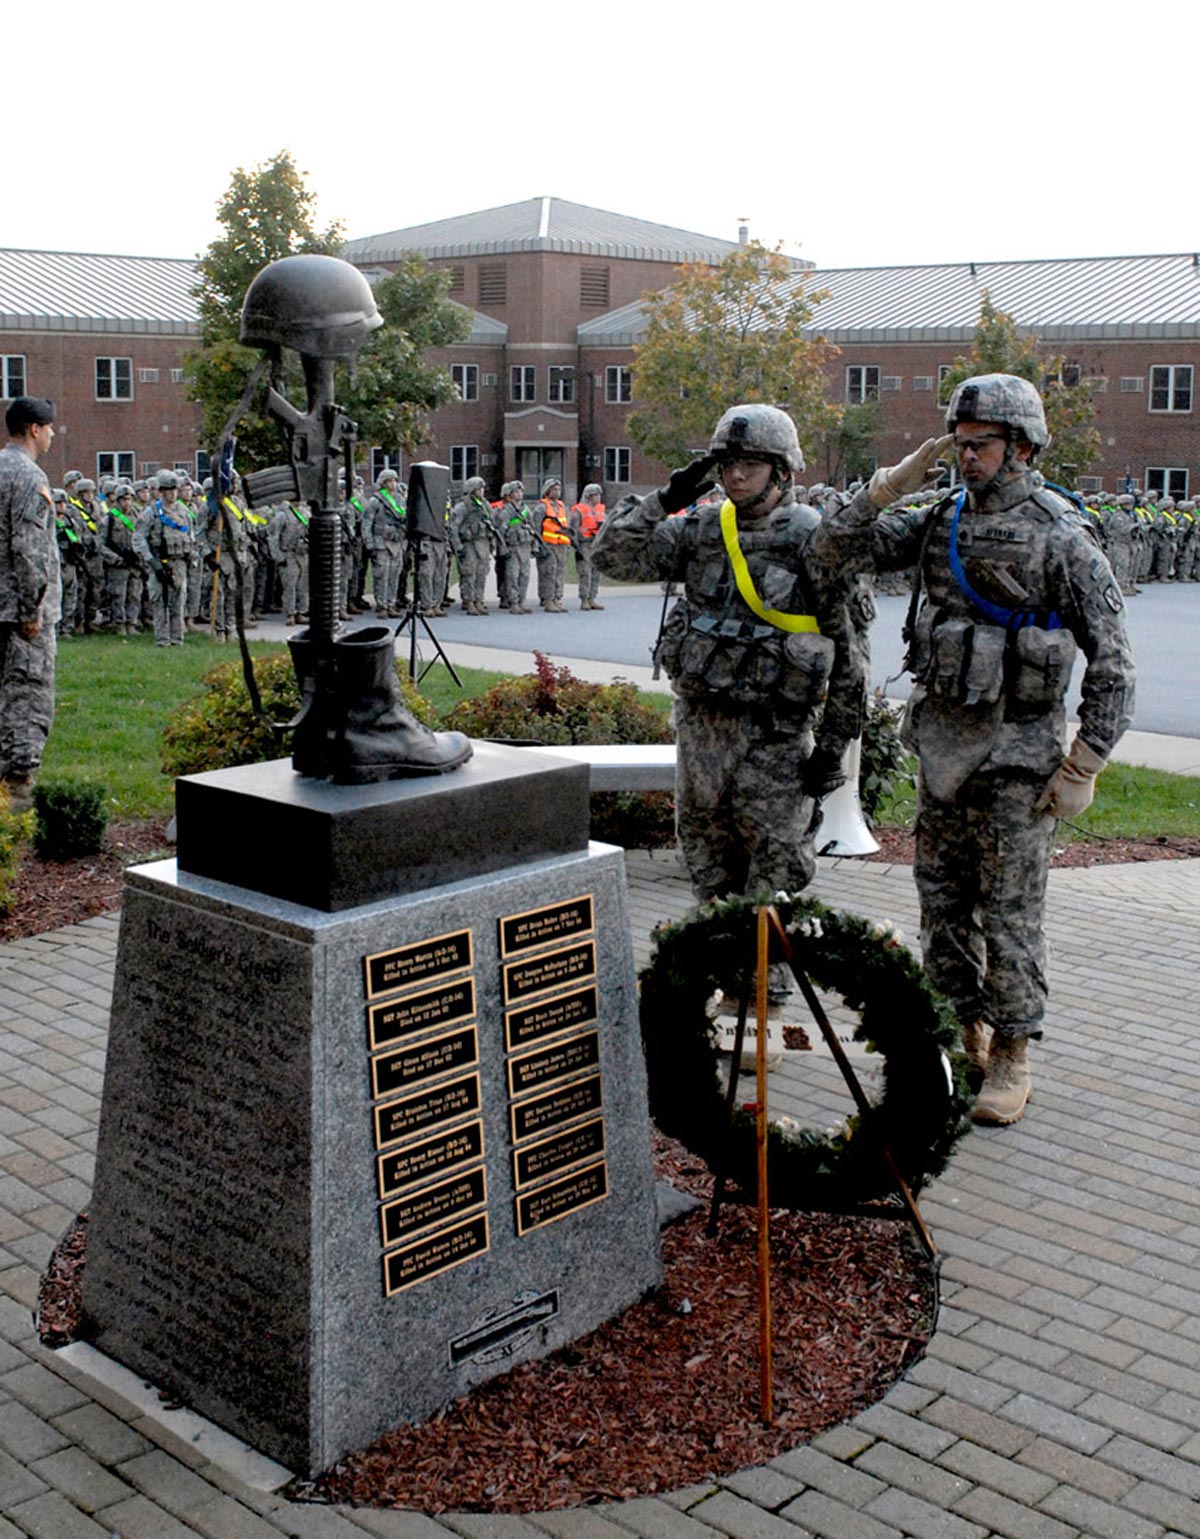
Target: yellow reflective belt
[[745, 583]]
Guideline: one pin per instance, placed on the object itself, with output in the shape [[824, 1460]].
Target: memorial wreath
[[925, 1103]]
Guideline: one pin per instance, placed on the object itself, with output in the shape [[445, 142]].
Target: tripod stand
[[414, 618]]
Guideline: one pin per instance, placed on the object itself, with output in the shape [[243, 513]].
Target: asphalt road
[[1164, 627]]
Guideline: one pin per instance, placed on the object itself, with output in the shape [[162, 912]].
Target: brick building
[[546, 375], [104, 337], [1131, 325], [536, 401]]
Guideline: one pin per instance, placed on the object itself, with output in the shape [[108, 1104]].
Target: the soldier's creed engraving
[[558, 1060], [416, 1013], [551, 1017], [535, 1161], [436, 1156], [547, 1204], [435, 1254], [541, 926], [542, 1112], [432, 1205], [551, 970], [429, 1108], [405, 966], [427, 1059]]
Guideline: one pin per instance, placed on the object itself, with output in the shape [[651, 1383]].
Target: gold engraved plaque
[[558, 1060], [540, 926], [407, 1216], [395, 1120], [438, 957], [551, 970], [435, 1254], [427, 1059], [417, 1013], [547, 1204], [546, 1157], [436, 1156], [542, 1112], [550, 1018]]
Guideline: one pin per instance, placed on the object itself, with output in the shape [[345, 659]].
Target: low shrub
[[552, 706], [70, 817], [16, 830], [220, 729], [885, 766]]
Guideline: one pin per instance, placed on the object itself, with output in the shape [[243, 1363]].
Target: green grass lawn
[[115, 694], [1130, 803]]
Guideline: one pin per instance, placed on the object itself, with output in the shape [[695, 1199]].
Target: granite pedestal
[[352, 1162]]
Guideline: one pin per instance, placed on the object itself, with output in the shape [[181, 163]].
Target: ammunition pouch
[[744, 662], [963, 664], [1040, 671]]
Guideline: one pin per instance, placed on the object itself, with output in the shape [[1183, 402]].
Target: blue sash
[[1010, 619]]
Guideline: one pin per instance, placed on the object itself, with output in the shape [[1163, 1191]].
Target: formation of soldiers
[[151, 554]]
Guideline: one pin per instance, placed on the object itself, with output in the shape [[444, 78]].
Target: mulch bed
[[50, 893], [663, 1396], [54, 893], [896, 848]]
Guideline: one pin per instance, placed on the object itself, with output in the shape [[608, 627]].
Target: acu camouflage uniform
[[29, 590], [987, 720], [748, 695]]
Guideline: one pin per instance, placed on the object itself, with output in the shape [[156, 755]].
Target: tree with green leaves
[[740, 331], [269, 212], [846, 450], [1001, 347]]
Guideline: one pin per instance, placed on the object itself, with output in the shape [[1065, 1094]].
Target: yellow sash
[[745, 583]]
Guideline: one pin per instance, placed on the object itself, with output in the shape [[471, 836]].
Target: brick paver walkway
[[1061, 1392]]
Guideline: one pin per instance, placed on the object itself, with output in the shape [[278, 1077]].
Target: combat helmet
[[1003, 398], [316, 304], [592, 489], [475, 484], [167, 481], [757, 429]]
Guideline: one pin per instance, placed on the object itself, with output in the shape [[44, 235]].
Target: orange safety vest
[[591, 516], [554, 522]]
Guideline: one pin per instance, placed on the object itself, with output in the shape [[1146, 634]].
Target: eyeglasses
[[961, 445], [746, 460]]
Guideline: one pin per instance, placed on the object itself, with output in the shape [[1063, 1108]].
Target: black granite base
[[264, 828]]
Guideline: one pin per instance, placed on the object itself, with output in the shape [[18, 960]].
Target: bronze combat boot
[[1007, 1083], [369, 734]]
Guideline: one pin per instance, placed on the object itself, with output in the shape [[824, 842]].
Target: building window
[[1132, 384], [943, 371], [12, 376], [114, 379], [381, 460], [464, 462], [118, 463], [618, 384], [593, 287], [466, 380], [892, 383], [616, 464], [177, 377], [1171, 387], [862, 383], [1167, 481], [522, 382], [922, 382], [147, 376], [493, 284], [203, 464], [1091, 483], [561, 388]]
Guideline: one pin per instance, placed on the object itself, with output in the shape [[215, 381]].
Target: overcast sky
[[857, 134]]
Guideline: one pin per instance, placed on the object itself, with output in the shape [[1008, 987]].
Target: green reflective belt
[[303, 517]]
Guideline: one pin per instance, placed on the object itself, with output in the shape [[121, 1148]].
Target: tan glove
[[910, 475], [1073, 785]]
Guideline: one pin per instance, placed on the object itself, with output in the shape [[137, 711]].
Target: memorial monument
[[374, 1123]]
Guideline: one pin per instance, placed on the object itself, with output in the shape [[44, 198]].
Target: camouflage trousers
[[741, 821], [980, 865], [516, 578], [589, 577], [26, 694], [551, 573]]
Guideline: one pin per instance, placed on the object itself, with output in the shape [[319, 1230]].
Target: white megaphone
[[843, 829]]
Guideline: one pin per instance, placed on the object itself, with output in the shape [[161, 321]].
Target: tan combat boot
[[1007, 1083], [975, 1046]]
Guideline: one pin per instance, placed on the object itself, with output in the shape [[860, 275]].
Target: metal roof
[[72, 291], [542, 224], [1133, 298]]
